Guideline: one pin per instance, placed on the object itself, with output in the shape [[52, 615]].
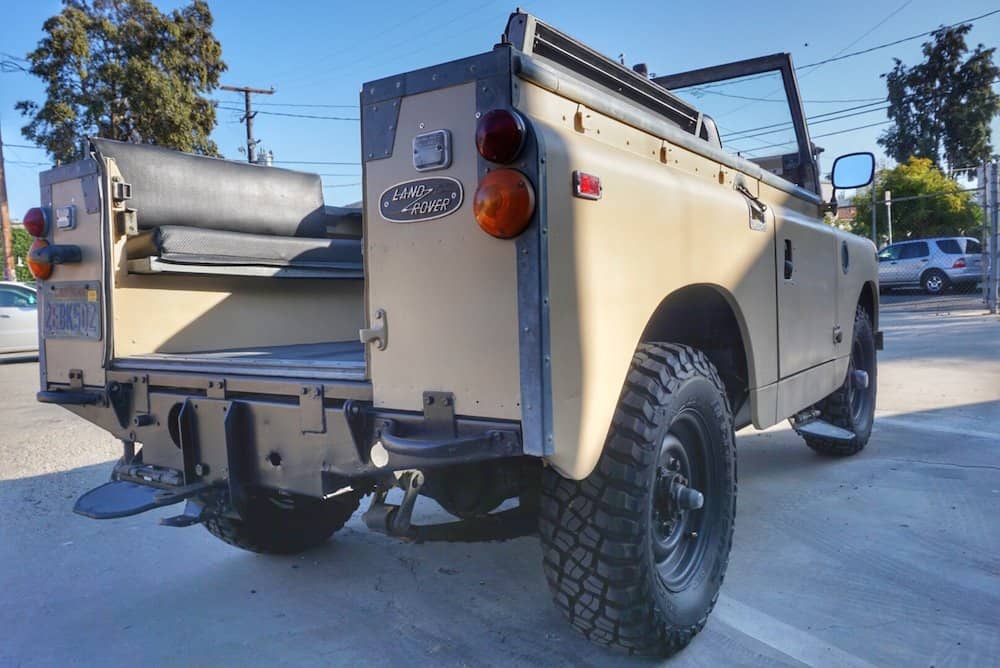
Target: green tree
[[122, 69], [942, 108], [946, 212], [20, 243]]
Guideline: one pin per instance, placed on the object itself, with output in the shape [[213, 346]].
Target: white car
[[18, 318]]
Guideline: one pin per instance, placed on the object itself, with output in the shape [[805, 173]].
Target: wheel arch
[[868, 300], [707, 317]]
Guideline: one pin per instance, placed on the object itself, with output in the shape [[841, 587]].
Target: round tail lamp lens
[[35, 222], [38, 268], [500, 135], [504, 203]]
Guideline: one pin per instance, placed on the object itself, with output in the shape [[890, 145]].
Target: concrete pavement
[[889, 558]]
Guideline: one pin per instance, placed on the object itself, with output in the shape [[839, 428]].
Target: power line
[[291, 115], [343, 185], [312, 162], [330, 57], [826, 116], [402, 46], [316, 106], [820, 136], [869, 31], [39, 148], [898, 41], [845, 56]]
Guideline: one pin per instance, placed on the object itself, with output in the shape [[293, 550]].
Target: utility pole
[[8, 241], [874, 207], [888, 212], [248, 114], [991, 221]]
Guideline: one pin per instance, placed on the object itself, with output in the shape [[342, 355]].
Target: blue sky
[[319, 53]]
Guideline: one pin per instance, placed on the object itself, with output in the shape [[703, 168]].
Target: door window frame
[[808, 171]]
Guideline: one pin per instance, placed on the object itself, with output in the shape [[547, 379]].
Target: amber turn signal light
[[504, 203], [39, 268]]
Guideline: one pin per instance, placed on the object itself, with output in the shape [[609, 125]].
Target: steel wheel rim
[[858, 398], [679, 537]]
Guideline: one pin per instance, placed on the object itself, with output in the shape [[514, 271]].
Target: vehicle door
[[913, 259], [973, 256], [888, 265], [755, 106], [18, 319]]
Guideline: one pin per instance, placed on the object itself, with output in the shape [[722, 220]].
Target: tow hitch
[[396, 520]]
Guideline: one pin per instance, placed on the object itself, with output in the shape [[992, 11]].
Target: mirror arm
[[831, 206]]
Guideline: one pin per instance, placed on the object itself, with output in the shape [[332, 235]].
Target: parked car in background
[[18, 318], [932, 264]]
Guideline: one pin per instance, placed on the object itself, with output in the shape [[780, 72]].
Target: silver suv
[[933, 264]]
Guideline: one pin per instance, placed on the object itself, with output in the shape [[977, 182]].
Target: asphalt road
[[890, 558]]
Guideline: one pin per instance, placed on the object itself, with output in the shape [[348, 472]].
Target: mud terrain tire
[[851, 407], [625, 563]]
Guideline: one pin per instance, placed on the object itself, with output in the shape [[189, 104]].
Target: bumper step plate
[[823, 429], [122, 498]]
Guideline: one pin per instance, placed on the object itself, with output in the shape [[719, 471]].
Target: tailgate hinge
[[378, 332], [312, 419]]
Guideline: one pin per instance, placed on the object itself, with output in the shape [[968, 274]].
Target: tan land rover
[[563, 287]]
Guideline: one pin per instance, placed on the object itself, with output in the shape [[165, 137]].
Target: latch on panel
[[75, 379], [120, 191], [311, 417], [581, 119], [128, 222], [378, 333]]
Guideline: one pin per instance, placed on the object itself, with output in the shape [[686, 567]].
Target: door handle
[[4, 315], [789, 266]]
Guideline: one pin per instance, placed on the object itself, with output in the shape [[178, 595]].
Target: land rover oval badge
[[422, 199]]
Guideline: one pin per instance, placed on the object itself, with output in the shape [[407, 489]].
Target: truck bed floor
[[337, 360]]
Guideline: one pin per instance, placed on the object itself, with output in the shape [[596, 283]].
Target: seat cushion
[[191, 245]]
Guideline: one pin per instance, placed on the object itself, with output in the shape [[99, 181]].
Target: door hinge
[[838, 334]]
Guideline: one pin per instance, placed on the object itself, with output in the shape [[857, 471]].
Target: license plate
[[72, 312]]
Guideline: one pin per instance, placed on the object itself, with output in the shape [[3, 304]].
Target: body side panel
[[668, 218]]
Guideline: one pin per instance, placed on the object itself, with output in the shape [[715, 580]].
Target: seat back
[[174, 188]]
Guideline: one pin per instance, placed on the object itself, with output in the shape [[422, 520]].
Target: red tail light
[[500, 135], [39, 268], [35, 222], [959, 263]]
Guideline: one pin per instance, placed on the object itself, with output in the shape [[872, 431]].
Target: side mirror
[[854, 170]]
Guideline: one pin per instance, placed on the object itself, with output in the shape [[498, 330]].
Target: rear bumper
[[312, 444]]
